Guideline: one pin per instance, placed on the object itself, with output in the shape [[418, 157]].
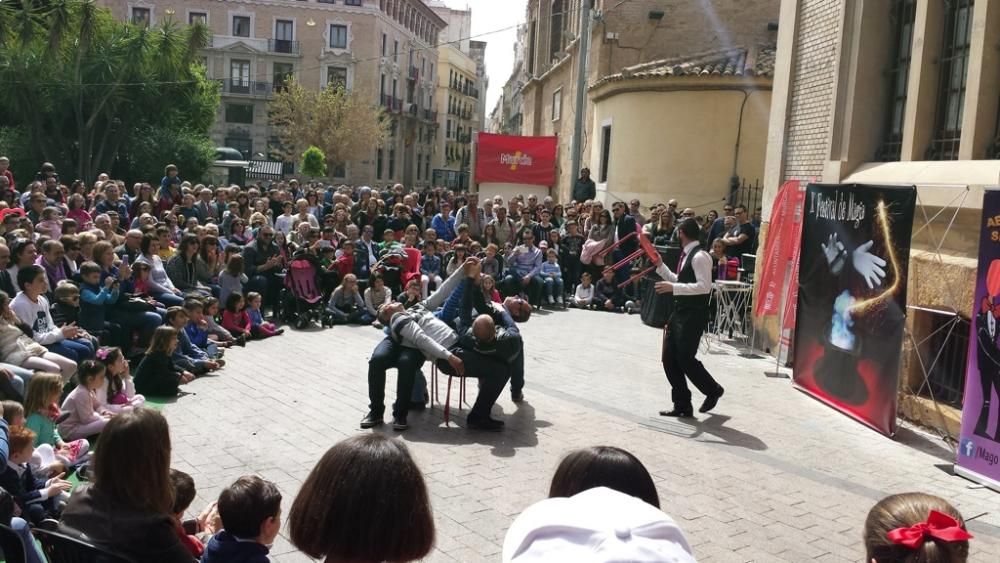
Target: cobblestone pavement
[[772, 475]]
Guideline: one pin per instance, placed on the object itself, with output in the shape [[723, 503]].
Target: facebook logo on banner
[[967, 448]]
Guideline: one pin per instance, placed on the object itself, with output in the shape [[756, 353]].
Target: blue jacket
[[197, 335], [225, 548], [445, 229], [94, 303]]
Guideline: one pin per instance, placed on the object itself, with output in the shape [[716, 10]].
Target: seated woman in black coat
[[126, 507]]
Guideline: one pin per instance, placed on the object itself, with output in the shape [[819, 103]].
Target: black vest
[[686, 275]]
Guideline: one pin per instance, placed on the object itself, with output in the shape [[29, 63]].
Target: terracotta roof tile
[[737, 61]]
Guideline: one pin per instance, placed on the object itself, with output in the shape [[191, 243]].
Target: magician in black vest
[[691, 287]]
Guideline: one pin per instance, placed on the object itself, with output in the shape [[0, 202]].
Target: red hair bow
[[938, 525]]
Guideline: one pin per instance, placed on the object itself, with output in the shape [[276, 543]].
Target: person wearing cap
[[691, 287], [599, 525]]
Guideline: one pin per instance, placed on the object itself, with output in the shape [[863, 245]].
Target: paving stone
[[770, 476]]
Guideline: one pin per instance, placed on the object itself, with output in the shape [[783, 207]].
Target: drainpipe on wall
[[734, 179]]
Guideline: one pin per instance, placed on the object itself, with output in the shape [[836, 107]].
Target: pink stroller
[[303, 300]]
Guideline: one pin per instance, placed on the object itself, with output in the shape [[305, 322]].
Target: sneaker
[[279, 331], [371, 420], [560, 301], [487, 424], [399, 423], [548, 299], [221, 363], [377, 324]]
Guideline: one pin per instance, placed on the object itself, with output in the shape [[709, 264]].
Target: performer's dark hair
[[603, 466], [690, 229], [341, 513]]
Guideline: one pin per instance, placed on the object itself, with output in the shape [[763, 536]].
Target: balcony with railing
[[392, 104], [430, 115], [223, 41], [414, 73], [285, 46], [253, 88]]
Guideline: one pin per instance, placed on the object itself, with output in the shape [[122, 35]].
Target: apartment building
[[459, 102], [383, 48]]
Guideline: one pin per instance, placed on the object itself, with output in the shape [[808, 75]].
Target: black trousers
[[492, 373], [681, 338], [388, 354], [989, 379]]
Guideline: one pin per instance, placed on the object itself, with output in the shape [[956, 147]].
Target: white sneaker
[[548, 299], [559, 300]]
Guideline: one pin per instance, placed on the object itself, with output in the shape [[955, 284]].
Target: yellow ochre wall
[[679, 144]]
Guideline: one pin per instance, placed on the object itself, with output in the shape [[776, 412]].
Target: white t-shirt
[[37, 316]]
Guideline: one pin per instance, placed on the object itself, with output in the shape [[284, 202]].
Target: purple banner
[[979, 442]]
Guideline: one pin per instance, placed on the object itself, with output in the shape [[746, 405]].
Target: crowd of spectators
[[100, 280]]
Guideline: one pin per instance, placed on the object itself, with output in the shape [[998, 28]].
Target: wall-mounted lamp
[[311, 22]]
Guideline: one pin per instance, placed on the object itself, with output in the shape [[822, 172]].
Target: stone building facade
[[624, 34], [384, 48], [898, 92], [458, 98]]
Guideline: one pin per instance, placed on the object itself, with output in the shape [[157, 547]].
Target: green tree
[[343, 124], [313, 163], [82, 86]]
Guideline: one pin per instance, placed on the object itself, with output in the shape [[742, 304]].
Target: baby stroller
[[392, 267], [302, 300]]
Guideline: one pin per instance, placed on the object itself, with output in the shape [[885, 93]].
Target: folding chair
[[447, 401], [62, 548], [11, 545]]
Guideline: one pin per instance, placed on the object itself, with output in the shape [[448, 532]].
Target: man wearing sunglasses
[[263, 262]]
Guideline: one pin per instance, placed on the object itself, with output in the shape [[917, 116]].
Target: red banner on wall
[[516, 160]]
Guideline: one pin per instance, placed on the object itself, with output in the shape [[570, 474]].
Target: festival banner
[[979, 439], [851, 314], [784, 232], [516, 160]]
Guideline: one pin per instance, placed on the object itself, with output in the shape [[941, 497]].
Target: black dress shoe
[[678, 413], [486, 424], [399, 423], [711, 401], [371, 420], [516, 396]]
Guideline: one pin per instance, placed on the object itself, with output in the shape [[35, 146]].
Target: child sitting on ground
[[236, 320], [254, 303], [196, 328], [157, 376], [216, 333], [118, 392], [186, 355], [41, 403], [552, 278], [39, 498], [607, 294], [346, 305], [375, 296], [86, 416], [584, 296], [430, 269], [250, 510]]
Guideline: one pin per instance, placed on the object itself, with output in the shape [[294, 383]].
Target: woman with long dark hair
[[127, 505]]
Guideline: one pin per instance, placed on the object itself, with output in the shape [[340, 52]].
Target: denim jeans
[[76, 350], [169, 299], [553, 287]]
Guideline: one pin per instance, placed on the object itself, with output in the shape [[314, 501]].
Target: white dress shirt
[[702, 264]]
